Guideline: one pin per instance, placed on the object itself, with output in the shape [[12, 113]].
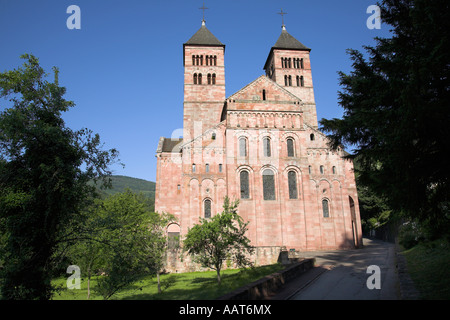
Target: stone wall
[[178, 262], [268, 285]]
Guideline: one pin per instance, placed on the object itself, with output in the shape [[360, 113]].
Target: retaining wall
[[270, 284]]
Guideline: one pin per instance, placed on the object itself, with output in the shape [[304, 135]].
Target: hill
[[120, 183]]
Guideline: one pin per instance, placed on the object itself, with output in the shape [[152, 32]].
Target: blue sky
[[124, 67]]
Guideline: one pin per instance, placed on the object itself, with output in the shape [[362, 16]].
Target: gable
[[253, 92], [263, 94]]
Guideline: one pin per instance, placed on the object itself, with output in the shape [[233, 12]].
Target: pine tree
[[396, 110]]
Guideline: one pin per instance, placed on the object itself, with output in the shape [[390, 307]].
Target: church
[[262, 146]]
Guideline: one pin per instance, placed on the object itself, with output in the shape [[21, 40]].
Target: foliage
[[396, 111], [44, 172], [374, 209], [410, 234], [87, 249], [156, 243], [218, 239], [133, 239]]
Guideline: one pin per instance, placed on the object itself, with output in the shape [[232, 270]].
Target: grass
[[428, 266], [176, 286]]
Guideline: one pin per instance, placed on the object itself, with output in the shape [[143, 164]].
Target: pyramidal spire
[[286, 41], [203, 36]]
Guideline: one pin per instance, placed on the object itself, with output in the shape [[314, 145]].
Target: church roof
[[286, 41], [169, 145], [204, 37]]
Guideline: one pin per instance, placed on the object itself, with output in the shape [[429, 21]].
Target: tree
[[373, 209], [218, 239], [156, 243], [396, 111], [133, 241], [125, 217], [87, 249], [44, 172]]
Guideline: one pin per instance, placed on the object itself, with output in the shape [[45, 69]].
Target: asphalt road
[[347, 276]]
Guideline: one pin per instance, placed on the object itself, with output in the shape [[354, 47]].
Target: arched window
[[199, 78], [193, 167], [301, 63], [292, 183], [311, 137], [266, 147], [325, 209], [286, 81], [209, 78], [193, 60], [201, 60], [242, 147], [264, 94], [321, 170], [195, 78], [215, 60], [268, 185], [289, 62], [302, 82], [309, 169], [207, 208], [334, 170], [197, 60], [214, 78], [173, 236], [298, 81], [207, 167], [290, 147], [244, 181]]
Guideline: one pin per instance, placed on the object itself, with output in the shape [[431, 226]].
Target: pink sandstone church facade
[[262, 146]]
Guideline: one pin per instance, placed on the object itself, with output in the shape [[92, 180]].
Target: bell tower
[[204, 82], [289, 65]]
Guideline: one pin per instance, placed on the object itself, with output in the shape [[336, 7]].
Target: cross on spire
[[282, 16], [203, 8]]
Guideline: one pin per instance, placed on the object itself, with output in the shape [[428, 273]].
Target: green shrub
[[410, 234]]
